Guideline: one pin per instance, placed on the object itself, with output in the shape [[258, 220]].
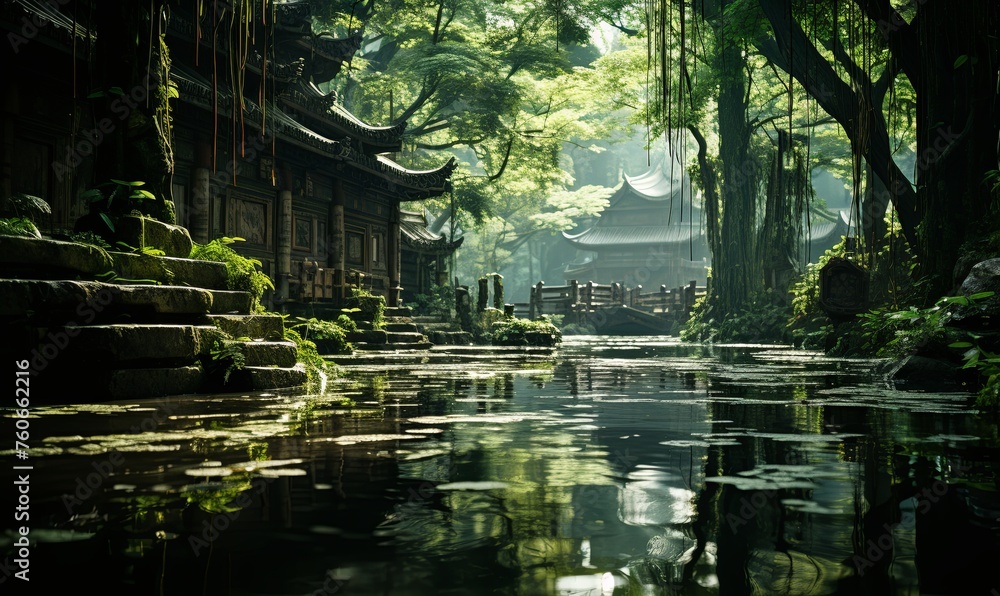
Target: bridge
[[614, 309]]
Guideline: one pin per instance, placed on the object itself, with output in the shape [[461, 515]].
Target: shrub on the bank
[[524, 332]]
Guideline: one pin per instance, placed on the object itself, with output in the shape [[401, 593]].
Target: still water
[[609, 467]]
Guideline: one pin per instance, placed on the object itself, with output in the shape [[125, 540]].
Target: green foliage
[[371, 307], [19, 226], [226, 357], [897, 333], [346, 323], [985, 362], [116, 197], [331, 336], [243, 273], [24, 205], [764, 319], [525, 332], [142, 250], [437, 302], [91, 238], [316, 366]]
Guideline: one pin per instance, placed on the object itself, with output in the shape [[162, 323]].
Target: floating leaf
[[961, 60]]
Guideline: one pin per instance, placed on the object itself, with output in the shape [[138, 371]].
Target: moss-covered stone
[[174, 241], [49, 259], [88, 300], [171, 271]]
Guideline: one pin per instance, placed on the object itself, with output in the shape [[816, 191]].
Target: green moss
[[243, 273], [525, 332]]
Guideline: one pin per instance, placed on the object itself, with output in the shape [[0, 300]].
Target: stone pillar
[[394, 256], [484, 294], [498, 298], [284, 242], [201, 195]]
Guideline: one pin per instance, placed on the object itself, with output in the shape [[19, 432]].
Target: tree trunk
[[957, 126]]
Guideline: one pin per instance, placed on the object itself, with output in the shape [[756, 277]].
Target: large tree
[[948, 52]]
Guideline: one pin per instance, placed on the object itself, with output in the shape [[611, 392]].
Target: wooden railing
[[576, 300]]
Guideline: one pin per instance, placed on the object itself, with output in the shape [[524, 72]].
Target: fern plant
[[242, 273]]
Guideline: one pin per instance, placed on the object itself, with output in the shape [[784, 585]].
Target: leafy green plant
[[91, 238], [763, 319], [525, 332], [116, 197], [437, 302], [329, 336], [227, 357], [19, 226], [20, 205], [316, 366], [243, 273], [142, 250]]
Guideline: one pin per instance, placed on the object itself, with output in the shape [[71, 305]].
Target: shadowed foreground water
[[613, 466]]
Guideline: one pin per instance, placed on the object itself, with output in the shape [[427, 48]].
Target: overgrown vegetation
[[524, 332], [316, 366], [242, 273], [437, 302], [369, 306], [19, 226], [330, 337]]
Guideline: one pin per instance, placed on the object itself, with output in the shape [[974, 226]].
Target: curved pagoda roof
[[611, 236], [323, 109], [410, 184], [649, 198], [416, 234]]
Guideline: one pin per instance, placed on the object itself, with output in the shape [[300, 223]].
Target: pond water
[[611, 466]]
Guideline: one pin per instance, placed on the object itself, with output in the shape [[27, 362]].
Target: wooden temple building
[[650, 235], [261, 150]]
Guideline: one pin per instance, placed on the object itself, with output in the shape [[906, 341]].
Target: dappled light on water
[[611, 466]]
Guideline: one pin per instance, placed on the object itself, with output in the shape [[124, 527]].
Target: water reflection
[[616, 466]]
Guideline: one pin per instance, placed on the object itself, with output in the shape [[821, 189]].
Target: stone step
[[35, 258], [402, 337], [270, 353], [450, 338], [269, 327], [416, 345], [429, 320], [230, 302], [398, 311], [267, 377], [369, 336], [133, 383], [86, 301], [400, 327], [426, 328], [171, 270], [108, 344]]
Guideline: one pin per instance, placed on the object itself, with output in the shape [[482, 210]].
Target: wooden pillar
[[394, 256], [201, 194], [284, 242], [336, 249]]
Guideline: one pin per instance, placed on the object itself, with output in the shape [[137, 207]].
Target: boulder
[[174, 241], [982, 313]]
